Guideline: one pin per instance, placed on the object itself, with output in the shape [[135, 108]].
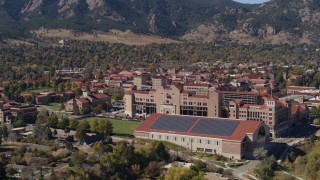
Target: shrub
[[316, 121]]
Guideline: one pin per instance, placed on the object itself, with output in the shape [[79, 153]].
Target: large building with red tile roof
[[228, 137]]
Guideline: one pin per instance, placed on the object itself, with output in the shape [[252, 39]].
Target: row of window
[[183, 139], [143, 99], [195, 103]]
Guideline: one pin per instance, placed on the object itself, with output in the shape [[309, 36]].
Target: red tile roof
[[82, 100], [240, 132], [100, 96]]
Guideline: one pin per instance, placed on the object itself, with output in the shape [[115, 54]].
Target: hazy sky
[[252, 1]]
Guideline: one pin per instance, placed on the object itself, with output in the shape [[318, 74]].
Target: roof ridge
[[193, 125]]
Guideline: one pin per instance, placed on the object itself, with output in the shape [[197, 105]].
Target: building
[[82, 103], [297, 89], [251, 97], [140, 81], [27, 114], [227, 137], [273, 113], [158, 82], [202, 89], [171, 100]]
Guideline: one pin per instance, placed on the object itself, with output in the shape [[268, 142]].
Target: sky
[[252, 1]]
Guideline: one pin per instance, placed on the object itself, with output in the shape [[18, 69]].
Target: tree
[[180, 173], [101, 148], [94, 125], [62, 106], [153, 169], [41, 133], [265, 170], [76, 110], [199, 166], [159, 152], [82, 128], [314, 111], [73, 123], [63, 123], [260, 153], [316, 121], [53, 175], [5, 132], [117, 96], [19, 123], [78, 158], [105, 127], [52, 121], [78, 92], [42, 116]]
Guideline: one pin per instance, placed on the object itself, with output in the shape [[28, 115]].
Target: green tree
[[101, 148], [260, 153], [199, 166], [117, 96], [159, 152], [82, 128], [78, 92], [52, 121], [42, 116], [94, 125], [73, 123], [265, 170], [180, 173], [19, 123], [316, 121], [314, 111], [63, 123], [105, 127], [53, 175], [78, 158]]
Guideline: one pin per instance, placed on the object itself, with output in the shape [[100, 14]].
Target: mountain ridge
[[277, 20]]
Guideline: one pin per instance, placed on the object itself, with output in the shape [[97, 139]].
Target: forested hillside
[[277, 21]]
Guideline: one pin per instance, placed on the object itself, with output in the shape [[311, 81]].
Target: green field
[[39, 90], [120, 127]]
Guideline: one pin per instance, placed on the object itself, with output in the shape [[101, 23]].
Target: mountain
[[169, 18], [278, 20]]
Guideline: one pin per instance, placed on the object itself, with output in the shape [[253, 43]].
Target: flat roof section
[[174, 123], [215, 127]]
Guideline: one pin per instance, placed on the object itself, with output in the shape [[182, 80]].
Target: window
[[175, 138], [200, 149], [217, 142], [208, 150], [182, 139], [208, 142], [159, 137], [167, 137], [200, 141], [191, 140], [152, 136]]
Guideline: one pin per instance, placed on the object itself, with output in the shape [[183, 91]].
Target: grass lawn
[[219, 163], [120, 127], [39, 90]]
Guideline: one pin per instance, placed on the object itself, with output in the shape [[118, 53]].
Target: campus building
[[27, 114], [231, 138], [172, 100], [272, 112], [215, 103]]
